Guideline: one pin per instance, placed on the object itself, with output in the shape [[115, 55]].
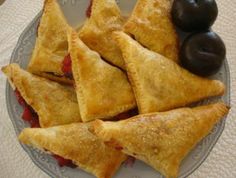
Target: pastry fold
[[160, 84], [76, 142], [103, 90], [96, 32], [162, 139], [54, 103], [150, 24], [51, 44]]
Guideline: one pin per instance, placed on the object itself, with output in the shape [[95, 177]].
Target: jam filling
[[64, 162], [126, 115], [89, 9], [130, 161], [67, 67], [119, 148], [37, 30], [30, 116]]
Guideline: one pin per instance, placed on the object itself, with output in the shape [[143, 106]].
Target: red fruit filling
[[20, 99], [130, 161], [29, 114], [89, 9], [122, 116], [119, 148], [64, 162], [66, 67], [127, 114], [34, 122], [37, 30]]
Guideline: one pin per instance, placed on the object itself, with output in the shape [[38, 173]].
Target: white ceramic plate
[[75, 12]]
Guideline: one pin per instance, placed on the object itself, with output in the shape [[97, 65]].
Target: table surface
[[15, 15]]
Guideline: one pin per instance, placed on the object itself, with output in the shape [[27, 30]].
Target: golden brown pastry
[[51, 44], [96, 32], [150, 23], [103, 91], [160, 84], [162, 140], [55, 104], [77, 143]]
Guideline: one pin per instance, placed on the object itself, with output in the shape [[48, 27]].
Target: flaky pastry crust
[[162, 140], [77, 143], [150, 24], [96, 32], [160, 84], [103, 90], [51, 44], [55, 104]]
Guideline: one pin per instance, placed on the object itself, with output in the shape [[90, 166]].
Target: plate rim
[[30, 151], [26, 149]]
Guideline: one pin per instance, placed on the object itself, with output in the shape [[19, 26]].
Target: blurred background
[[1, 1]]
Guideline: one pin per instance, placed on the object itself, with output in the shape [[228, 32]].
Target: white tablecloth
[[15, 15]]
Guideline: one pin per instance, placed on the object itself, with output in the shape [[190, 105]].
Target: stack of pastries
[[76, 81]]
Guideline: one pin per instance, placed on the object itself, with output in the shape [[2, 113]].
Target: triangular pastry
[[55, 104], [162, 140], [103, 90], [96, 32], [75, 142], [51, 44], [150, 24], [160, 84]]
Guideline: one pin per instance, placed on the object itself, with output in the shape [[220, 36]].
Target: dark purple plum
[[194, 15], [203, 53]]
